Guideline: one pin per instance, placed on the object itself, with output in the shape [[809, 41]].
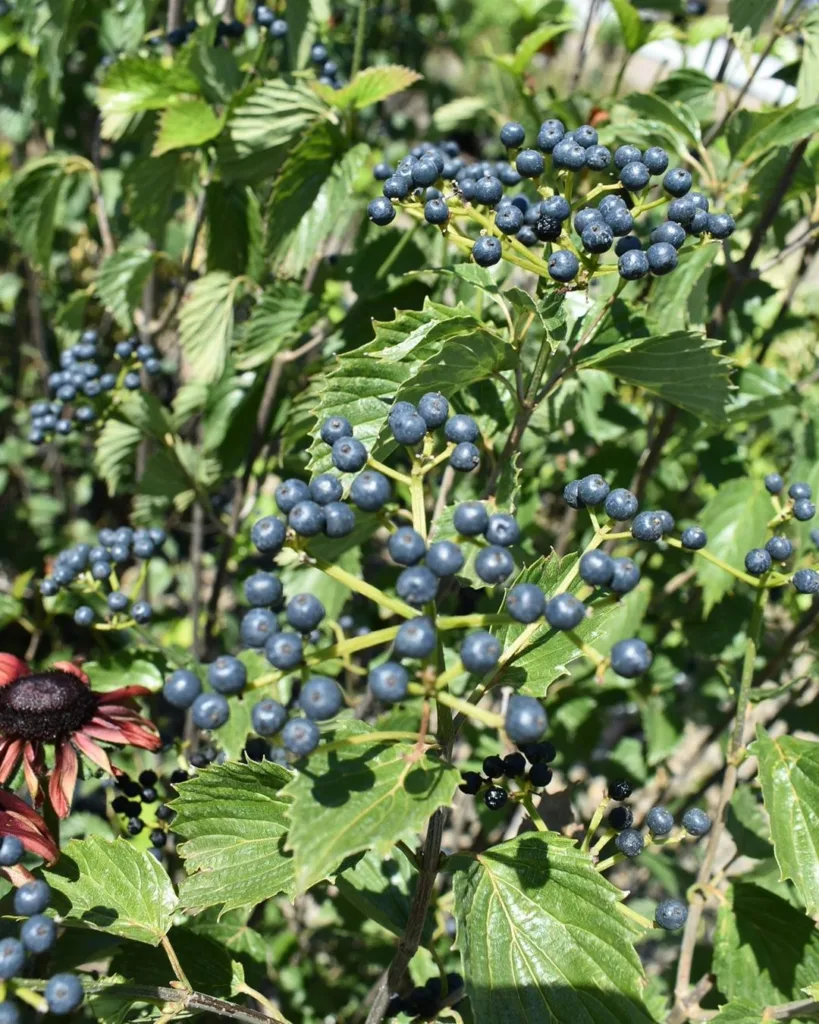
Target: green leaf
[[116, 444], [206, 324], [32, 205], [372, 85], [234, 820], [791, 126], [207, 964], [112, 672], [789, 773], [122, 27], [360, 797], [186, 124], [739, 1011], [113, 887], [682, 296], [765, 950], [531, 43], [135, 84], [381, 889], [274, 322], [674, 115], [749, 14], [458, 112], [234, 227], [807, 84], [631, 24], [120, 282], [734, 520], [542, 939], [748, 825], [216, 69], [149, 184], [684, 368]]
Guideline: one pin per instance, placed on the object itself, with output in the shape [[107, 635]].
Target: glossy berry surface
[[227, 674], [630, 658], [32, 898], [210, 711], [181, 688], [565, 611], [370, 491], [525, 720], [758, 561], [596, 568], [417, 585], [671, 915], [696, 822], [304, 612], [415, 638], [300, 736], [494, 564], [694, 538], [480, 652], [525, 602], [659, 821], [389, 682], [63, 993], [444, 558], [406, 546], [320, 698], [495, 798], [630, 842], [621, 504]]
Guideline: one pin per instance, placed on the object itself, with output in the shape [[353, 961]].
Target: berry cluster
[[38, 934], [524, 220], [266, 18], [425, 1002], [513, 767], [80, 391], [91, 570], [134, 795], [225, 30]]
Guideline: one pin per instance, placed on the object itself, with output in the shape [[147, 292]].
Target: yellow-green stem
[[359, 586], [531, 810]]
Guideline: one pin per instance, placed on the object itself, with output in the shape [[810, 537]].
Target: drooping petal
[[72, 669], [18, 819], [63, 778], [123, 694], [93, 751], [10, 752], [101, 730], [11, 668], [33, 768]]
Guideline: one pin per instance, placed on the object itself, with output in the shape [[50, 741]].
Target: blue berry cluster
[[441, 181], [266, 18], [91, 570], [327, 69], [38, 934], [80, 390], [514, 767]]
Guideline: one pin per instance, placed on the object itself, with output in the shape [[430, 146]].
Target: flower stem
[[401, 478], [594, 824], [490, 718], [531, 810], [359, 586]]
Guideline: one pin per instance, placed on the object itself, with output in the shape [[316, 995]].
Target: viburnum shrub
[[408, 467]]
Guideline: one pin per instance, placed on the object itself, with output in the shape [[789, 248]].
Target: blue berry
[[461, 428], [433, 409], [593, 490], [12, 958], [181, 688], [666, 520], [143, 547], [779, 548], [586, 217], [408, 429], [694, 538], [304, 612], [596, 568], [406, 546], [494, 564], [758, 561], [389, 682], [339, 519], [621, 505], [470, 518], [721, 225], [550, 134], [659, 821], [620, 221], [508, 219], [512, 134], [814, 536], [465, 457], [99, 570], [598, 158], [397, 187], [85, 414], [436, 211], [417, 585], [84, 615], [227, 674], [480, 652], [529, 164], [257, 626], [625, 155], [268, 717], [633, 265], [631, 658], [9, 1012], [124, 535], [625, 577], [334, 428], [671, 915], [568, 155], [655, 159], [425, 172], [381, 211], [284, 650], [662, 258], [677, 182], [32, 898], [268, 535], [647, 526], [634, 176], [306, 518], [548, 229], [153, 366], [415, 639], [630, 842], [803, 510], [210, 711], [488, 191], [370, 491], [263, 590], [525, 720], [11, 851], [124, 349], [300, 736], [597, 237], [563, 266], [132, 381], [806, 581], [49, 587], [444, 558], [699, 223], [382, 171], [502, 529], [399, 410], [557, 207], [669, 232], [682, 211], [289, 493], [320, 698], [157, 535], [565, 611], [63, 994], [628, 244], [349, 455], [525, 602], [571, 494], [142, 612], [486, 252], [696, 822], [38, 934], [799, 491]]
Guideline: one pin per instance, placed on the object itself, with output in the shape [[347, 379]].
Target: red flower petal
[[93, 751], [10, 752], [124, 693], [67, 666], [63, 778], [18, 819], [11, 668], [100, 730], [33, 767]]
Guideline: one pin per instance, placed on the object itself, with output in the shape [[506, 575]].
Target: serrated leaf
[[136, 84], [372, 85], [684, 368], [631, 24], [739, 1011], [791, 126], [32, 205], [216, 69], [113, 887], [186, 124], [789, 773], [531, 43], [381, 889], [734, 520], [120, 282], [676, 116], [233, 818], [234, 223], [149, 184], [114, 671], [458, 112], [360, 797], [749, 14], [765, 950], [748, 825], [807, 84], [541, 937], [207, 964], [678, 297], [275, 321], [116, 444], [206, 324]]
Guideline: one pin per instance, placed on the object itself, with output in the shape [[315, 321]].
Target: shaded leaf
[[116, 444], [739, 1011], [381, 889], [112, 672], [749, 13], [121, 280], [206, 324], [531, 43], [136, 84], [32, 205], [681, 300], [234, 228], [791, 126], [149, 184], [275, 321], [458, 112]]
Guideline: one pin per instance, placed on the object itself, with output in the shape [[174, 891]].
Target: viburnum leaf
[[381, 889], [233, 818], [739, 1011], [206, 963], [120, 282], [149, 185], [32, 203], [360, 797], [749, 13], [206, 324], [116, 670], [369, 86], [276, 320], [115, 888], [187, 124], [793, 124], [542, 939], [634, 29], [789, 773], [116, 444], [134, 84]]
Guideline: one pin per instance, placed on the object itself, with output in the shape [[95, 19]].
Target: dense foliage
[[408, 571]]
